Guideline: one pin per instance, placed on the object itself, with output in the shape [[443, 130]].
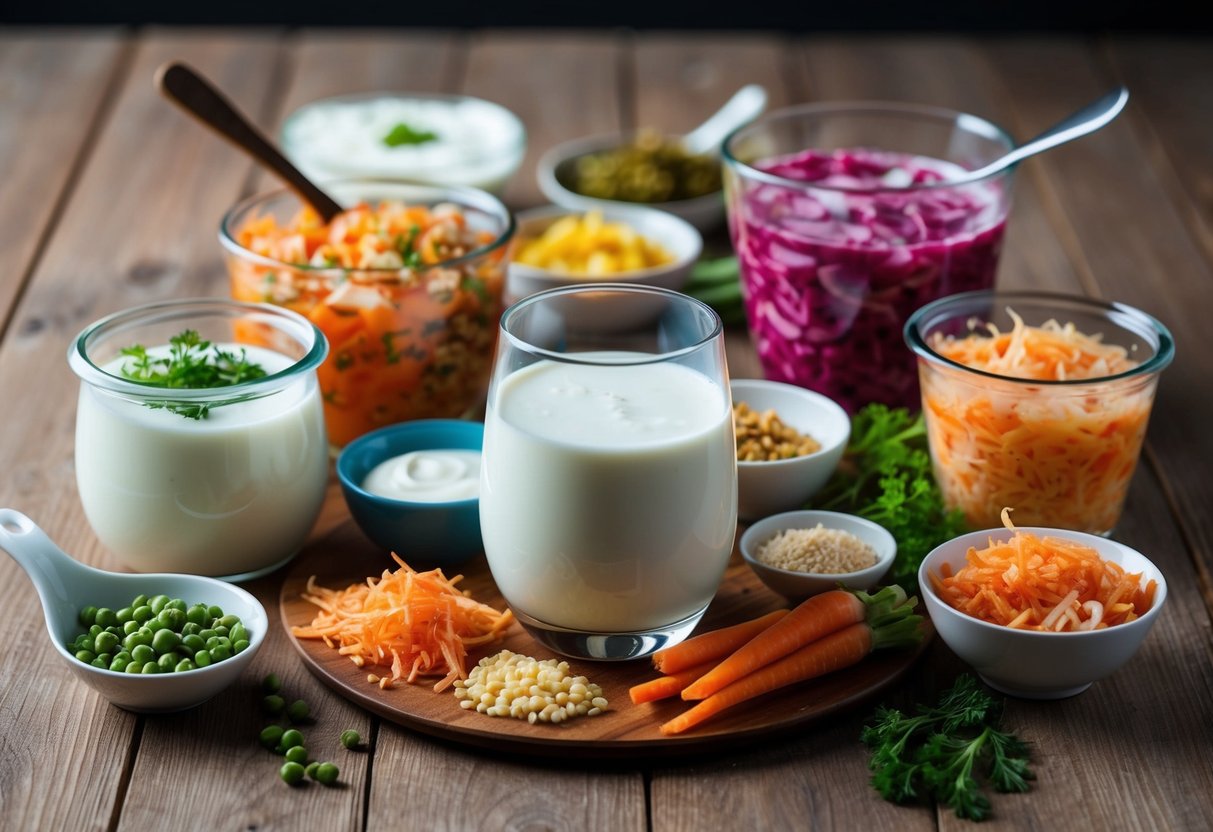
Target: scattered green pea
[[273, 704], [326, 774], [291, 773], [271, 735], [297, 711], [350, 738], [296, 754], [271, 683], [310, 771]]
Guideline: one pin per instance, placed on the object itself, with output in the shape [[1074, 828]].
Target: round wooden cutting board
[[624, 730]]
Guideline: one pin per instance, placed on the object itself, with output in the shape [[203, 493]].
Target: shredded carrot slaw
[[1043, 583], [1062, 456], [416, 623]]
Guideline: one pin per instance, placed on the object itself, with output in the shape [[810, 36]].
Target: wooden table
[[111, 198]]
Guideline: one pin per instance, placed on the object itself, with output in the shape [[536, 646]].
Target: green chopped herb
[[193, 364], [402, 134], [406, 247]]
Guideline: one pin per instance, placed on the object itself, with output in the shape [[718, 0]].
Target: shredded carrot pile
[[415, 623], [1062, 456], [1043, 583]]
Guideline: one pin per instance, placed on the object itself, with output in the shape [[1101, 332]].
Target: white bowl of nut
[[789, 441]]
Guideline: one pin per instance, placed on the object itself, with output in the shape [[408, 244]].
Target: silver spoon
[[65, 585], [745, 105], [1087, 120]]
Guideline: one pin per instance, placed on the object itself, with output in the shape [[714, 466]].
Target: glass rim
[[965, 121], [297, 326], [523, 345], [1164, 349], [459, 194]]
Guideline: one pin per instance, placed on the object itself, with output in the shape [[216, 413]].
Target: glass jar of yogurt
[[224, 480]]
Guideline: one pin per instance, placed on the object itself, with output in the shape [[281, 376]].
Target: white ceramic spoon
[[65, 586], [745, 106]]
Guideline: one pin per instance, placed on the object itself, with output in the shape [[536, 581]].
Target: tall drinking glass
[[608, 496]]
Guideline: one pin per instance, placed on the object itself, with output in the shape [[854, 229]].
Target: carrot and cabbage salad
[[408, 296], [1043, 583], [414, 623], [1062, 455]]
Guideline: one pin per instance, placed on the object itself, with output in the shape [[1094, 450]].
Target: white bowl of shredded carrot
[[1041, 613]]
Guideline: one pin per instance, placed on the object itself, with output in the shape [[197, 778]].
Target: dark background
[[1173, 16]]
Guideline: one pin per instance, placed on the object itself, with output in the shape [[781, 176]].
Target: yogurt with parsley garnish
[[439, 139], [208, 460]]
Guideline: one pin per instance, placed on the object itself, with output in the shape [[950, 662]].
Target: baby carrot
[[841, 648], [712, 645], [663, 687]]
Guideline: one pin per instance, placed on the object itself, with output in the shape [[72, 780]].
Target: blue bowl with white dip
[[414, 488]]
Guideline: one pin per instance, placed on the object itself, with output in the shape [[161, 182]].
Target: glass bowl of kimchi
[[407, 285], [1038, 402], [1076, 612]]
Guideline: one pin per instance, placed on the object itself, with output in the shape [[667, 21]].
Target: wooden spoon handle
[[193, 93]]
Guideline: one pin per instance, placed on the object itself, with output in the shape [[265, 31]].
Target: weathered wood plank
[[562, 85]]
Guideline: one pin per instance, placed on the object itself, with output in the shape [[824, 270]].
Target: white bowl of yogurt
[[431, 138], [223, 480]]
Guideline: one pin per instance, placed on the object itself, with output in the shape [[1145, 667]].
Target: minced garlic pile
[[819, 550], [513, 685]]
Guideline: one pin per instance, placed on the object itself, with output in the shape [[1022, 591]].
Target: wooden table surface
[[110, 198]]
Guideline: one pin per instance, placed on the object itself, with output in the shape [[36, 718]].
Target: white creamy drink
[[229, 494], [608, 502]]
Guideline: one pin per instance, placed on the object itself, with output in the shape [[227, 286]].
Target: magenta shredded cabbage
[[831, 273]]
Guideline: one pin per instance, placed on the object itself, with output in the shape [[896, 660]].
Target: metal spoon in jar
[[745, 105], [198, 97], [1087, 120]]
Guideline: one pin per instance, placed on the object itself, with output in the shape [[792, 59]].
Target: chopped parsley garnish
[[403, 134], [191, 364]]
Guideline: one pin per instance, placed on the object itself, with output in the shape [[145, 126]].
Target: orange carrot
[[712, 645], [818, 616], [663, 687], [840, 649]]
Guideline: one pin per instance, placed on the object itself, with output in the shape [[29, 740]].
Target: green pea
[[133, 667], [105, 657], [105, 643], [106, 617], [271, 735], [124, 615], [202, 658], [82, 642], [310, 771], [142, 613], [97, 662], [165, 641], [350, 738], [271, 683], [273, 704], [229, 621], [291, 738], [170, 618], [237, 633], [193, 642], [214, 611], [191, 629], [86, 656], [169, 660], [240, 646], [291, 773], [175, 604], [139, 601], [297, 711], [157, 603], [211, 643], [326, 774], [150, 669], [196, 614], [207, 634], [298, 754], [220, 653], [130, 627], [88, 616], [118, 664], [96, 628], [143, 653], [220, 630], [184, 665], [124, 655]]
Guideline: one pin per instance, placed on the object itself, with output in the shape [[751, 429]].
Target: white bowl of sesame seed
[[776, 469], [803, 553]]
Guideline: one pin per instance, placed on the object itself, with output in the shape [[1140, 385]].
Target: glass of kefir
[[219, 480], [608, 499]]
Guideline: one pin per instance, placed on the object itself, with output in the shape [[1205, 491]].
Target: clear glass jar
[[223, 481], [1059, 452], [844, 224]]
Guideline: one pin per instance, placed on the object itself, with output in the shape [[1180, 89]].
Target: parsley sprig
[[886, 477], [192, 363], [942, 752]]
